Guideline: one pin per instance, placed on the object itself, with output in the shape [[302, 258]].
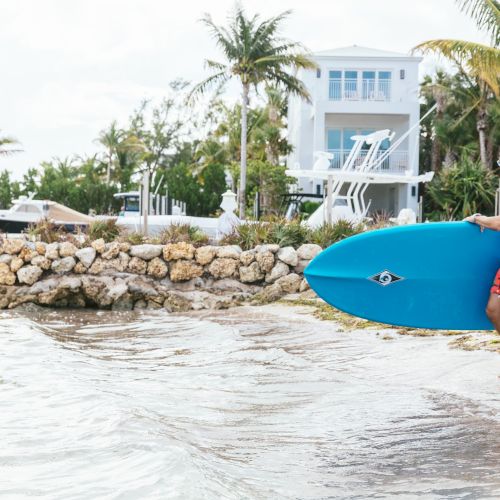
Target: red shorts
[[496, 284]]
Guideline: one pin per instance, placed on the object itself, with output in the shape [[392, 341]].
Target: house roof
[[362, 52]]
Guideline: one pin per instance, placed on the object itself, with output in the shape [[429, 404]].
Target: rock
[[40, 247], [122, 261], [251, 273], [67, 249], [177, 251], [72, 283], [265, 259], [44, 286], [157, 268], [79, 268], [206, 254], [183, 270], [177, 302], [52, 251], [92, 287], [247, 257], [229, 252], [142, 287], [16, 263], [110, 266], [271, 247], [280, 269], [99, 245], [270, 293], [86, 256], [125, 246], [288, 255], [137, 265], [232, 285], [116, 291], [140, 304], [184, 286], [7, 277], [5, 258], [301, 265], [308, 251], [289, 283], [13, 246], [124, 303], [304, 285], [223, 267], [146, 251], [27, 253], [111, 251], [64, 265]]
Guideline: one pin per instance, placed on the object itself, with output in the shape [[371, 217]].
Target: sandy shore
[[309, 305]]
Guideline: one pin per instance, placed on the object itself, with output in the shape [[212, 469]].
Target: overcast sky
[[70, 67]]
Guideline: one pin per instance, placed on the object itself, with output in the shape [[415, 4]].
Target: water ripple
[[239, 404]]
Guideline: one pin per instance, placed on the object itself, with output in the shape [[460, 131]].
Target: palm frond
[[221, 77], [482, 60], [5, 146], [486, 14]]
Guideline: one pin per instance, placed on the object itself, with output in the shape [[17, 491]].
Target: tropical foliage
[[465, 188], [254, 54], [478, 63]]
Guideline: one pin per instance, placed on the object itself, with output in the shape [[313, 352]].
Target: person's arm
[[485, 222]]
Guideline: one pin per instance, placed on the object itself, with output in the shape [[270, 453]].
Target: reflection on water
[[239, 404]]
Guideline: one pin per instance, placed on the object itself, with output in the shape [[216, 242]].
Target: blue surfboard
[[435, 275]]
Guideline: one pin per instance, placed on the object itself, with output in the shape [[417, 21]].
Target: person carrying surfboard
[[493, 306]]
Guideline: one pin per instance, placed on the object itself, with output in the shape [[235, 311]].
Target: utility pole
[[145, 201]]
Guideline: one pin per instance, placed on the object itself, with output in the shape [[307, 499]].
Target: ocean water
[[249, 403]]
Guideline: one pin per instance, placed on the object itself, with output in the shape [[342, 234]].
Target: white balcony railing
[[397, 162], [351, 89]]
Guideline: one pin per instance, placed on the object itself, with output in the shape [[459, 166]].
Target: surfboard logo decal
[[385, 278]]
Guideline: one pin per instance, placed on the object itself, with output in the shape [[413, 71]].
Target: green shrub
[[280, 231], [176, 233], [309, 207], [107, 229], [463, 189], [134, 238], [288, 233], [328, 234], [248, 235]]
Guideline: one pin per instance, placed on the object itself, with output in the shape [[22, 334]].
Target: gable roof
[[362, 52]]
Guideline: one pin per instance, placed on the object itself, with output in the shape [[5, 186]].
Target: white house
[[357, 90]]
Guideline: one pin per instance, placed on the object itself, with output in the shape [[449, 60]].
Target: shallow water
[[240, 404]]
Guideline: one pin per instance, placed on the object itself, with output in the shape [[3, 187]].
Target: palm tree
[[5, 146], [480, 62], [254, 54], [110, 138]]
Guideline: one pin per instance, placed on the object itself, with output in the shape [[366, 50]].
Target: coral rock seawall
[[175, 276]]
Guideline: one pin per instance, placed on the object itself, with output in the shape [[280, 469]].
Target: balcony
[[352, 89], [396, 163]]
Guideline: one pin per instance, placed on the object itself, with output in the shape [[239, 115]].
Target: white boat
[[26, 211], [132, 220]]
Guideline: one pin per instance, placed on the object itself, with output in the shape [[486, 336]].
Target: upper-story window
[[354, 85]]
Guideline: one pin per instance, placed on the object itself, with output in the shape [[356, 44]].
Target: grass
[[107, 229], [289, 233], [177, 233], [45, 230]]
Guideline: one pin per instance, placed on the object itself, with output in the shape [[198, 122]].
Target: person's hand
[[473, 220]]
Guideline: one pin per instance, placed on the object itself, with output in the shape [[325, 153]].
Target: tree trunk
[[243, 158], [435, 154], [482, 126], [108, 169]]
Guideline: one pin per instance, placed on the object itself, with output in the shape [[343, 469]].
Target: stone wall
[[176, 276]]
